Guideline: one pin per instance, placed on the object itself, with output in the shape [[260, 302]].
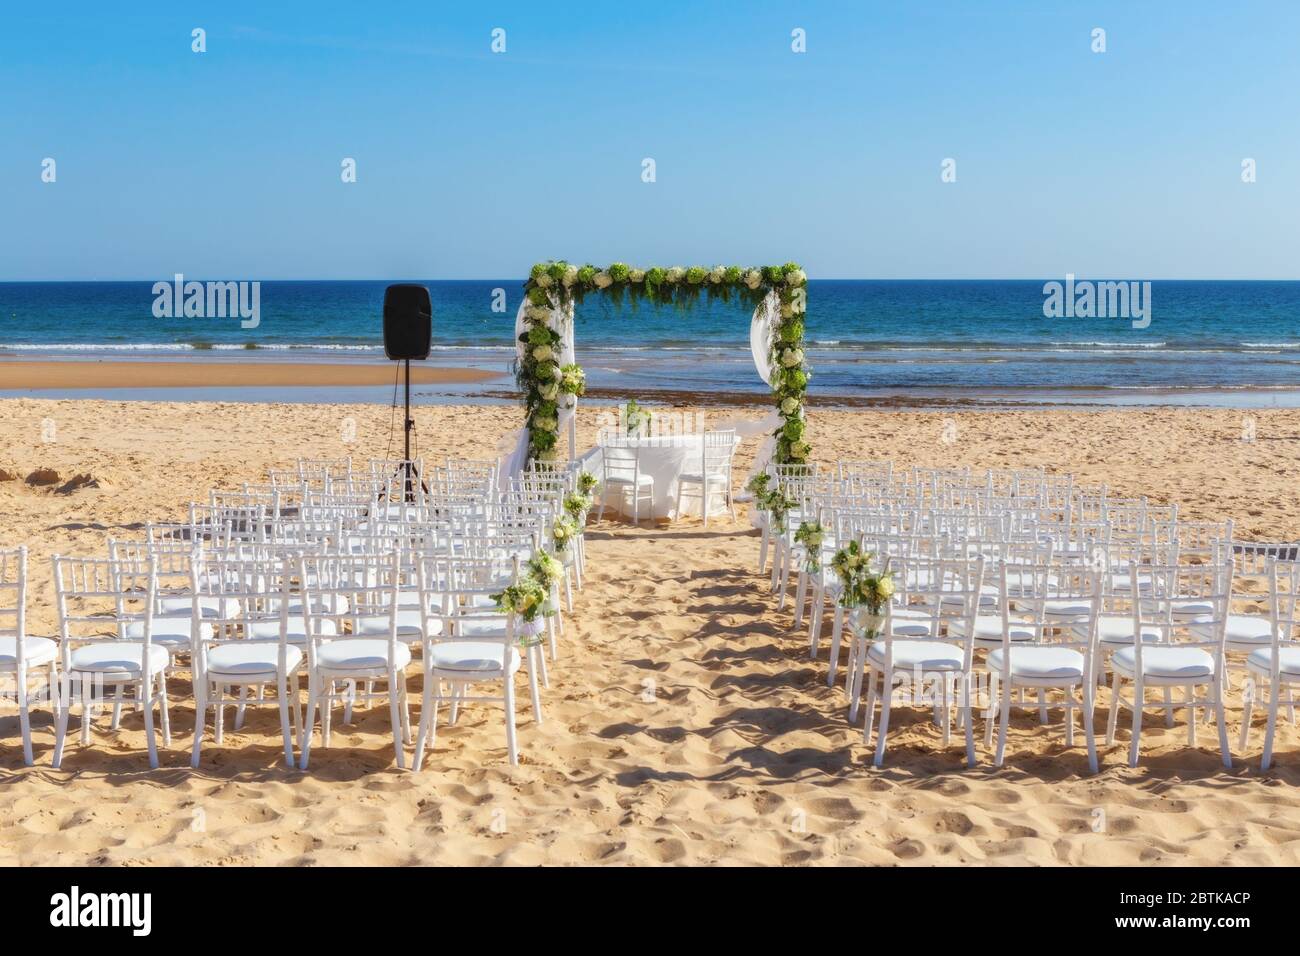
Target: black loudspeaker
[[408, 321]]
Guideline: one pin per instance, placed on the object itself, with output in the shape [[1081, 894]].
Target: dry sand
[[685, 722]]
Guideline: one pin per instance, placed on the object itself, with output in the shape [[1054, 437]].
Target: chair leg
[[1274, 699], [395, 716], [1223, 725], [508, 696], [1247, 702], [853, 676], [61, 728], [816, 611], [945, 692], [1003, 724], [283, 688], [163, 710], [886, 695], [837, 634], [800, 596], [1191, 716], [309, 724], [966, 719], [24, 719], [990, 712], [534, 692], [428, 718], [1138, 701], [870, 677], [219, 714], [87, 701], [1112, 719], [1089, 712], [150, 742]]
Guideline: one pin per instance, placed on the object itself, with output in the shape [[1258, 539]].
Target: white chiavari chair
[[367, 651], [1176, 656], [1034, 651], [1274, 668], [713, 479], [249, 646], [942, 660], [473, 645], [22, 656], [94, 596]]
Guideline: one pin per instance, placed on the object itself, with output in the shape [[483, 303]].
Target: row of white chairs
[[249, 596], [1024, 582]]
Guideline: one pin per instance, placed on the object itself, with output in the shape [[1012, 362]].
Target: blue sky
[[472, 164]]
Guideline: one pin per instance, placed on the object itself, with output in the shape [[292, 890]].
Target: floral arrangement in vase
[[865, 589], [810, 534]]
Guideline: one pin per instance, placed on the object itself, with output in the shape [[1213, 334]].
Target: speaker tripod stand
[[411, 478]]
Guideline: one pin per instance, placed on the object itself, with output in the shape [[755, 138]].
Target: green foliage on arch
[[555, 286]]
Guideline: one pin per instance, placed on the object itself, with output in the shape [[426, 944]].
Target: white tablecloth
[[664, 459]]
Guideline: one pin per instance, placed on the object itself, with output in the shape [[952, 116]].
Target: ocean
[[926, 342]]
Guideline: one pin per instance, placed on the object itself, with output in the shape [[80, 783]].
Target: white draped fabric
[[514, 447], [761, 328]]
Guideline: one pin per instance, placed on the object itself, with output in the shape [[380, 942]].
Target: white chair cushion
[[251, 657], [641, 479], [1165, 661], [910, 622], [269, 630], [988, 629], [1064, 607], [210, 606], [989, 597], [1288, 658], [361, 654], [1040, 662], [117, 657], [1191, 607], [927, 655], [410, 625], [478, 656], [1250, 630], [480, 627], [1118, 629], [37, 652], [696, 478], [173, 632]]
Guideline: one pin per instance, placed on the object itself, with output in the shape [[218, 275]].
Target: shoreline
[[316, 379], [44, 374]]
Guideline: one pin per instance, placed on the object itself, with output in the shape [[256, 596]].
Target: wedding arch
[[551, 380]]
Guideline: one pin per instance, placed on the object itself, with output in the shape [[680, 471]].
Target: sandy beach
[[685, 722]]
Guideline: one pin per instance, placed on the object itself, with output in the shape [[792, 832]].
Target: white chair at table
[[622, 476], [24, 657], [714, 476]]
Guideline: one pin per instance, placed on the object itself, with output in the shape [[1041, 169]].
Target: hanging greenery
[[553, 288]]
